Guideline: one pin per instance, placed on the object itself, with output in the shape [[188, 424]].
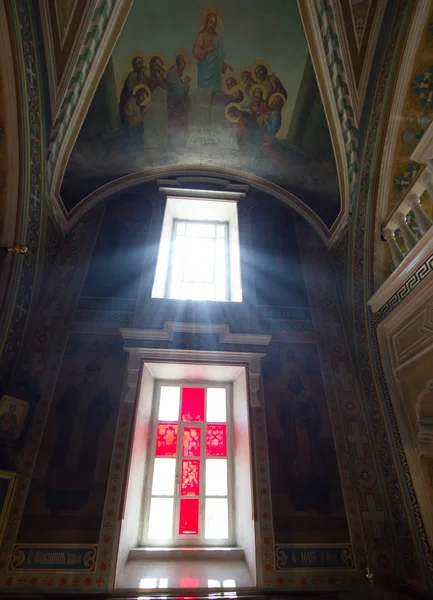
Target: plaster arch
[[205, 175]]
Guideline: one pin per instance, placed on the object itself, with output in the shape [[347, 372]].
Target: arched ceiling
[[263, 94], [217, 91]]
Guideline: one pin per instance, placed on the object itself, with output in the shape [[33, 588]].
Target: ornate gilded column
[[406, 233], [423, 221], [396, 252]]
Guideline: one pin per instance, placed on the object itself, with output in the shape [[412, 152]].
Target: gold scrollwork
[[18, 558], [347, 557], [89, 559], [280, 558]]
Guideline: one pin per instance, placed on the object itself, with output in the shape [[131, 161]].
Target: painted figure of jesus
[[209, 52]]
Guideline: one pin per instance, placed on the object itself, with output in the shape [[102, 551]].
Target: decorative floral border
[[27, 266]]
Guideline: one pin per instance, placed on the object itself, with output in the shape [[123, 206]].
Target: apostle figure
[[272, 120], [178, 101], [270, 81], [156, 76], [235, 94], [137, 76], [258, 106], [248, 133], [135, 111], [209, 52], [247, 81]]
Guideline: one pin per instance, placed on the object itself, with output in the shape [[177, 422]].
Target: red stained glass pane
[[192, 404], [216, 440], [187, 582], [188, 516], [166, 439], [191, 441], [190, 484]]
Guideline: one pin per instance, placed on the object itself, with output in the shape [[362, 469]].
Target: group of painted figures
[[253, 98]]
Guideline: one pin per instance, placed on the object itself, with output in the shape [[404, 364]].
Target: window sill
[[185, 554], [185, 568]]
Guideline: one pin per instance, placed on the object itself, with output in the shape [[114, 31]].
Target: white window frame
[[146, 365], [192, 540], [199, 209], [226, 255]]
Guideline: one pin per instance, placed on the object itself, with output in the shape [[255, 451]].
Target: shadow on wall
[[68, 488], [307, 500]]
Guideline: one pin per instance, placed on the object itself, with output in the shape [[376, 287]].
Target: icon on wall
[[13, 414]]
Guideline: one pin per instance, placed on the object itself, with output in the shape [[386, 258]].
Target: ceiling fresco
[[226, 87]]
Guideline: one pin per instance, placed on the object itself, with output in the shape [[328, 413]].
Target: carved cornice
[[223, 332], [259, 183], [136, 343], [401, 278]]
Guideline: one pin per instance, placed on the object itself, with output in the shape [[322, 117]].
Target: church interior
[[216, 314]]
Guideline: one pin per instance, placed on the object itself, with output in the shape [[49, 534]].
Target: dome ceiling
[[230, 87]]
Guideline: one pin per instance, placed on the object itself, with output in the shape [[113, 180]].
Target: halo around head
[[136, 55], [186, 54], [227, 112], [248, 68], [257, 63], [278, 95], [228, 75], [215, 11], [143, 87], [239, 74], [161, 56], [262, 87]]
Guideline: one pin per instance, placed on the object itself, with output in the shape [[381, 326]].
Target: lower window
[[188, 497]]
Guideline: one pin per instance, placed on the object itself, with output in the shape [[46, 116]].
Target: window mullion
[[228, 260], [202, 475], [178, 480], [170, 271], [230, 463], [214, 243]]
